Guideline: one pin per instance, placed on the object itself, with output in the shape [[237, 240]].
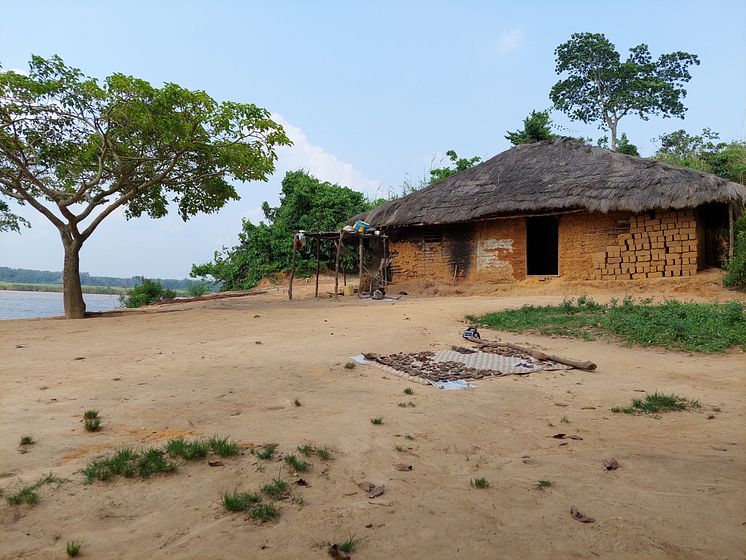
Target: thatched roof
[[559, 174]]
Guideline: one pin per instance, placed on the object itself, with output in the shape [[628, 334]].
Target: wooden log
[[318, 263], [587, 366], [731, 237], [385, 263]]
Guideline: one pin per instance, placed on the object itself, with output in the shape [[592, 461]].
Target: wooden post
[[360, 269], [336, 266], [344, 275], [731, 236], [385, 263], [318, 264], [292, 272]]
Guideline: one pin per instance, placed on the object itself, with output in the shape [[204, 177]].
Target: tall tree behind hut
[[599, 88]]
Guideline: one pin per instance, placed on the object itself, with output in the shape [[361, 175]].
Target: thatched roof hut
[[556, 175]]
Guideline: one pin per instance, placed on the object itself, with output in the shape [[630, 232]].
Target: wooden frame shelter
[[339, 238]]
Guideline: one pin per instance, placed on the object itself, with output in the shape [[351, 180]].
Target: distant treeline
[[25, 276]]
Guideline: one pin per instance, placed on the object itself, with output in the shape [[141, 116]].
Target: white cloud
[[509, 41], [320, 163]]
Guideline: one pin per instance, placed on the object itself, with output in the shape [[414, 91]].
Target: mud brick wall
[[584, 235], [432, 252], [658, 244], [501, 250]]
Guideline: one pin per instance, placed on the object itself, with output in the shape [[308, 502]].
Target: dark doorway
[[712, 235], [542, 243]]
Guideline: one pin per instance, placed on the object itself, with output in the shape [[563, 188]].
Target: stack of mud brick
[[657, 245]]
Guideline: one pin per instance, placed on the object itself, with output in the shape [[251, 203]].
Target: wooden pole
[[588, 366], [385, 263], [292, 273], [336, 267], [318, 264], [360, 269], [731, 237]]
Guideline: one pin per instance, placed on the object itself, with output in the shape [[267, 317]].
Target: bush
[[197, 289], [146, 293], [735, 268]]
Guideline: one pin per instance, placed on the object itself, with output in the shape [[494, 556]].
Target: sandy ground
[[199, 369]]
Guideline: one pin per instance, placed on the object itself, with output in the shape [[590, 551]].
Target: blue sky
[[370, 92]]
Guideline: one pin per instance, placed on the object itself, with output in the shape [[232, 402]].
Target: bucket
[[349, 290]]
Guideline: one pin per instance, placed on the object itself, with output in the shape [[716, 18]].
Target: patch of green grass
[[407, 404], [298, 465], [266, 452], [305, 449], [128, 462], [479, 483], [324, 453], [264, 512], [73, 548], [658, 402], [187, 450], [90, 414], [377, 420], [275, 489], [350, 365], [223, 446], [26, 440], [694, 327], [544, 484], [239, 501], [349, 545], [408, 391], [28, 495], [92, 424]]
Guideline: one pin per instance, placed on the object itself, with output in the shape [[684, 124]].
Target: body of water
[[27, 305]]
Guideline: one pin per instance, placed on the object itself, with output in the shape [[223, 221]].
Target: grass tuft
[[658, 402], [349, 545], [694, 327], [479, 483], [92, 424], [223, 446], [90, 414], [298, 465], [324, 453], [275, 489], [544, 484], [264, 512], [73, 548], [239, 501], [305, 449], [128, 462], [350, 365], [266, 452], [26, 440], [296, 402], [408, 391], [377, 420], [28, 495], [187, 450]]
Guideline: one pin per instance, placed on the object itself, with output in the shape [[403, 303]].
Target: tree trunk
[[612, 144], [73, 293]]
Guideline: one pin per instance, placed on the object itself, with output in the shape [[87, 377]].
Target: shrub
[[145, 293], [735, 268]]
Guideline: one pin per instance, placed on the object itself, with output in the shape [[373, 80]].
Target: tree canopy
[[704, 152], [266, 248], [77, 150], [599, 87], [536, 127], [459, 165]]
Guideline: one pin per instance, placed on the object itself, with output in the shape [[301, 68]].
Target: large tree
[[599, 87], [77, 151]]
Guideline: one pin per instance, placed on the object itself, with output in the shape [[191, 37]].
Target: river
[[27, 305]]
